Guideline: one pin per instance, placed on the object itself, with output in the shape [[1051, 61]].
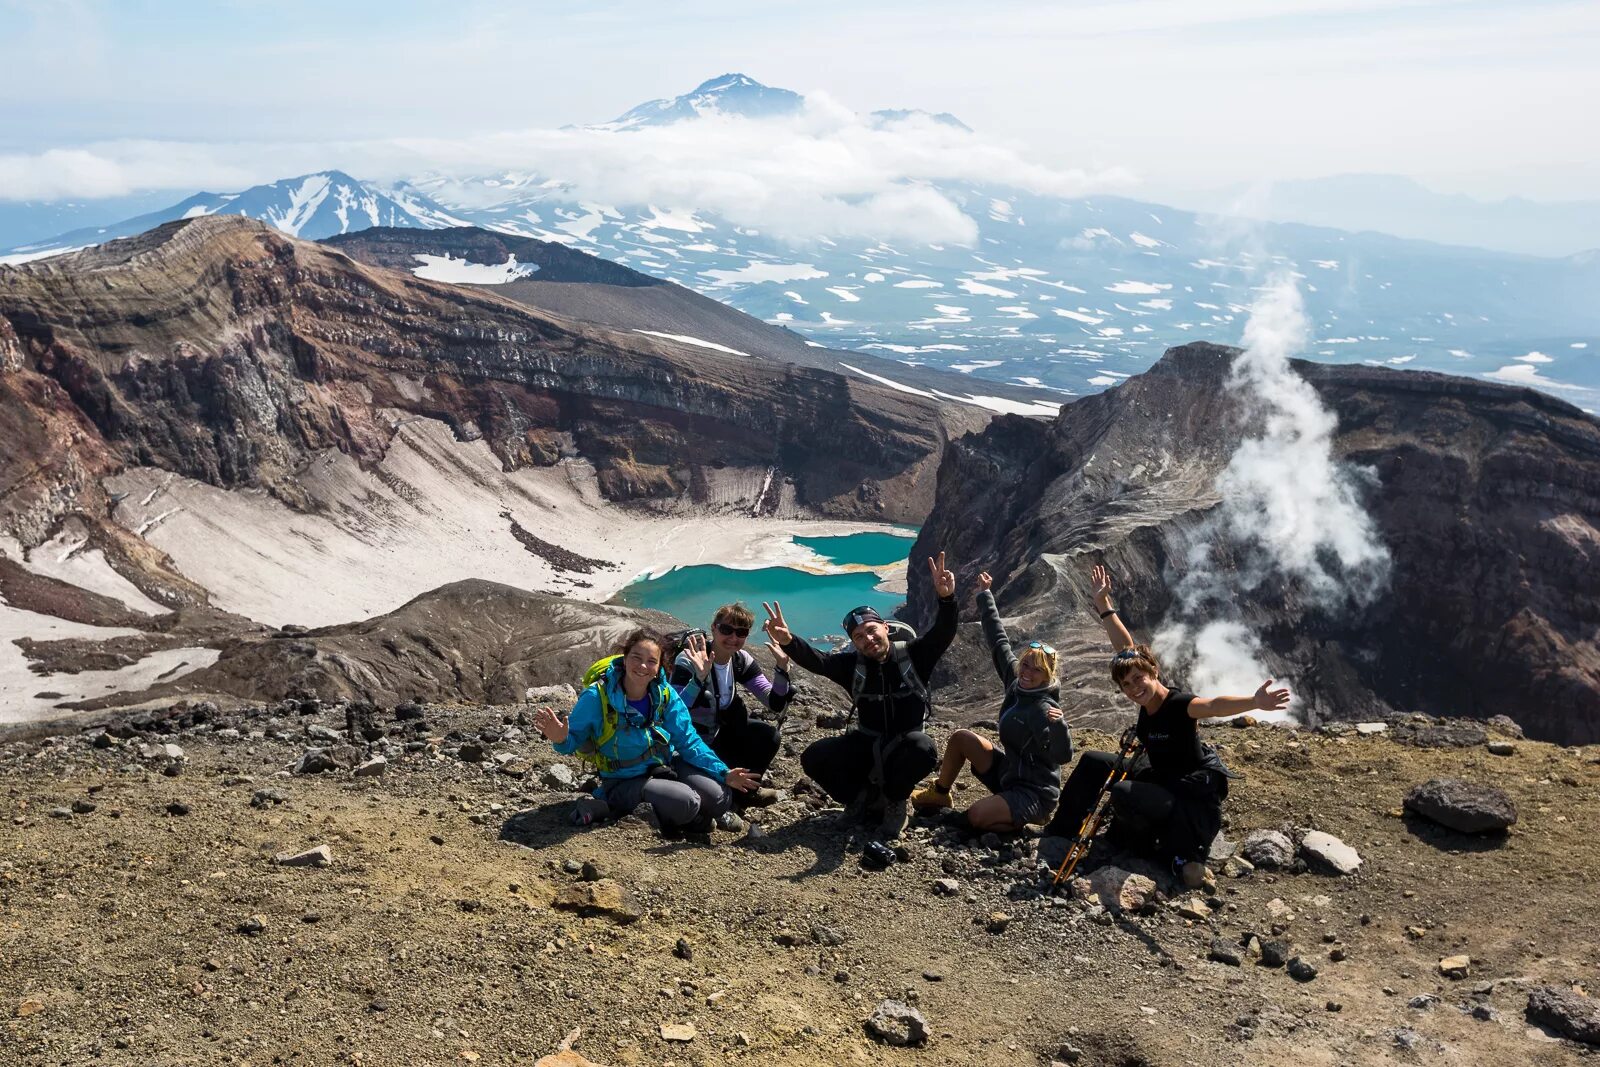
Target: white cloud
[[1536, 357], [820, 173], [1526, 374]]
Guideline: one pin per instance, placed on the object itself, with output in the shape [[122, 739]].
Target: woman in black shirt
[[1174, 794]]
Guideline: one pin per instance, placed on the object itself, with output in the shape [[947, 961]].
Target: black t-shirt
[[1171, 738]]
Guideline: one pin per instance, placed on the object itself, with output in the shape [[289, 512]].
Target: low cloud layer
[[822, 172], [1291, 514]]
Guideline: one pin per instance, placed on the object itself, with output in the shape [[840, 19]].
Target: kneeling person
[[633, 727], [706, 677]]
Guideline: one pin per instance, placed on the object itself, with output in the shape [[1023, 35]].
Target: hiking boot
[[863, 808], [730, 823], [932, 798], [895, 816], [1197, 876]]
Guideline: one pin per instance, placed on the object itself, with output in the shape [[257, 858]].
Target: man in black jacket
[[875, 765]]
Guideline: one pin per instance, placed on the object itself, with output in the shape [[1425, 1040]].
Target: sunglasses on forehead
[[1127, 653], [732, 631], [1042, 647]]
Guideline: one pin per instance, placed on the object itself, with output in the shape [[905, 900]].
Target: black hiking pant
[[843, 765], [1174, 818], [740, 741]]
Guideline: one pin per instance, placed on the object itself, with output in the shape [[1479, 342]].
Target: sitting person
[[1173, 797], [1023, 774], [631, 725], [705, 678], [872, 768]]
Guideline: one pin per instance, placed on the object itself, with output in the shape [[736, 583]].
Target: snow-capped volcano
[[312, 206], [731, 94]]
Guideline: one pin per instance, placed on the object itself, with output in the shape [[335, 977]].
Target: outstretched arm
[[1265, 699], [1005, 660], [1114, 626], [838, 667]]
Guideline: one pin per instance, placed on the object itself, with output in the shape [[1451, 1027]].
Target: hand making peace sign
[[944, 582], [776, 628]]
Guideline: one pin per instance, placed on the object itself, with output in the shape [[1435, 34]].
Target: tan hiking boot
[[932, 798]]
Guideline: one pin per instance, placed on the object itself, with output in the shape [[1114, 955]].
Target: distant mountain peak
[[943, 118], [727, 94]]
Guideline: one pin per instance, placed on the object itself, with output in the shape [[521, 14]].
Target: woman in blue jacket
[[634, 728]]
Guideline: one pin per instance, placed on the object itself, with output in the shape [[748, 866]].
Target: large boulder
[[1468, 807], [1568, 1013]]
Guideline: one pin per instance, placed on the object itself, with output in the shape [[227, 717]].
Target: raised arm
[[777, 693], [838, 667], [926, 650], [1265, 699], [1005, 661], [1114, 627]]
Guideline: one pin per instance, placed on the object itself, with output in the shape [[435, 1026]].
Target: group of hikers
[[679, 736]]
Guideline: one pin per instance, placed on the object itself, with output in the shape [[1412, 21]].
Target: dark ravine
[[1487, 496]]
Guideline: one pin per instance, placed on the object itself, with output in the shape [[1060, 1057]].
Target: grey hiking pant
[[690, 798]]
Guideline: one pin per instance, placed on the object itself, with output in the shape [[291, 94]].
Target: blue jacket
[[632, 740]]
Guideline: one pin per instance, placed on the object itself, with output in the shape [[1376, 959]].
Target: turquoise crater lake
[[813, 603]]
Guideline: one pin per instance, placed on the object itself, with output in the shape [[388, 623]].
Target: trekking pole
[[1130, 748]]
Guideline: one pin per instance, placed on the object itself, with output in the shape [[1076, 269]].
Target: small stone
[[321, 856], [372, 768], [61, 813], [1120, 890], [831, 936], [177, 807], [946, 887], [1224, 951], [604, 898], [471, 752], [590, 871], [1274, 953], [318, 732], [1267, 848], [683, 950], [1407, 1038], [1456, 967], [436, 839], [407, 712], [998, 921], [315, 761], [1194, 909], [1371, 729], [1501, 748], [82, 807], [1325, 852], [559, 776], [741, 1039], [1302, 969], [932, 976], [1334, 1005], [262, 798], [252, 926], [1338, 953], [897, 1024], [29, 1006], [1485, 1014], [684, 1032], [1423, 1002]]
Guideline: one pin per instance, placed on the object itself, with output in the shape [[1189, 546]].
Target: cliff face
[[221, 350], [1487, 498]]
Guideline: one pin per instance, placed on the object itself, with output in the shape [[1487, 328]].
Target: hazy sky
[[1487, 98]]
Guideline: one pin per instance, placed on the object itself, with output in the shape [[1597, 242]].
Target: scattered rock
[[559, 776], [1484, 1013], [998, 921], [29, 1006], [1118, 889], [830, 936], [901, 1025], [1456, 967], [683, 950], [316, 761], [471, 752], [590, 871], [407, 712], [1194, 908], [318, 732], [1464, 806], [1568, 1013], [1302, 969], [1501, 748], [1274, 953], [1452, 733], [177, 807], [1225, 951], [261, 798], [372, 768], [321, 856], [60, 813], [1370, 729], [684, 1032], [1328, 853], [252, 926], [551, 694], [1506, 725], [83, 807], [946, 887], [1267, 848], [1423, 1002], [604, 898]]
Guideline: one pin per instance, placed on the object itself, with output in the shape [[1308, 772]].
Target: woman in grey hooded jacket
[[1023, 772]]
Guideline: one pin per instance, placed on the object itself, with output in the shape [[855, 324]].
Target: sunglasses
[[732, 631], [1127, 653], [1042, 647]]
